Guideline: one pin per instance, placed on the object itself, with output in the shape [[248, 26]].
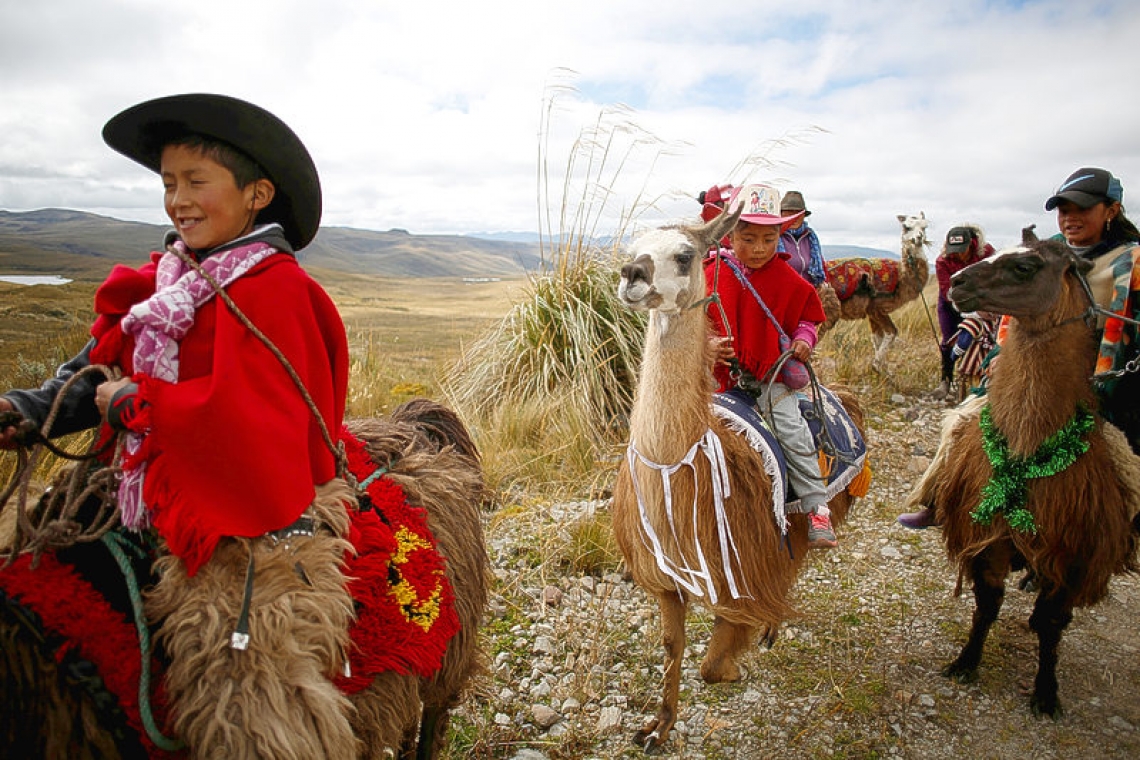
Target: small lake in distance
[[34, 279]]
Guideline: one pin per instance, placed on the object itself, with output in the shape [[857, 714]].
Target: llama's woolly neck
[[671, 410], [913, 261], [1039, 381]]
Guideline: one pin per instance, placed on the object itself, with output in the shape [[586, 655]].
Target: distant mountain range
[[78, 244]]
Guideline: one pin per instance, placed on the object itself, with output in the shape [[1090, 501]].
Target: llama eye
[[684, 262], [1023, 270]]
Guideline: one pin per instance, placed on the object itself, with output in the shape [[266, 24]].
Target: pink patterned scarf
[[158, 325]]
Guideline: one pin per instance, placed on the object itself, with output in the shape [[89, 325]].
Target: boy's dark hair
[[244, 168]]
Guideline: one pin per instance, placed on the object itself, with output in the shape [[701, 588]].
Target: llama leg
[[879, 363], [988, 578], [883, 328], [433, 728], [728, 641], [1052, 614], [654, 733]]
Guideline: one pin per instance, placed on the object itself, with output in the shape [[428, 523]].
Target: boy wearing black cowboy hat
[[234, 366], [221, 441]]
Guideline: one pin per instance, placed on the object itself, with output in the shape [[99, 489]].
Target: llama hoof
[[729, 674], [1046, 707], [649, 740], [768, 637], [960, 673], [919, 520]]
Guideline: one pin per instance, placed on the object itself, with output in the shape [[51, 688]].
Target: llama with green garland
[[1029, 475]]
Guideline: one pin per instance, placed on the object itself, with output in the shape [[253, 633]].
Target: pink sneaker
[[820, 534]]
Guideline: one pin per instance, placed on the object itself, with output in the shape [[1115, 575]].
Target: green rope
[[114, 543], [1007, 489], [376, 474]]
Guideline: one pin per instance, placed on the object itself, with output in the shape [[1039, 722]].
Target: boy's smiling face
[[203, 200], [755, 244]]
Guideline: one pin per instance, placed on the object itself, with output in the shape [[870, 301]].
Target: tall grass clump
[[548, 389]]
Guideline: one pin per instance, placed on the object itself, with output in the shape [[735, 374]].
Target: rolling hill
[[80, 245]]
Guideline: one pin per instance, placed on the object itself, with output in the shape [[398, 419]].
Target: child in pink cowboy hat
[[755, 346]]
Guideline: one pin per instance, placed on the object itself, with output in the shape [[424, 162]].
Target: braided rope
[[51, 522]]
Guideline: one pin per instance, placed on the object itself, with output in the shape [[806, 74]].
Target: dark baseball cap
[[958, 239], [1087, 187]]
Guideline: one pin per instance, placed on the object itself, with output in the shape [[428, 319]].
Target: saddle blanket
[[843, 450], [868, 277], [405, 604]]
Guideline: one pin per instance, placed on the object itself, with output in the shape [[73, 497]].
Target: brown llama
[[283, 697], [873, 288], [1062, 499], [745, 581]]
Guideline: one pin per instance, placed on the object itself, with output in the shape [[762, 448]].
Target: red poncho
[[233, 449], [789, 297]]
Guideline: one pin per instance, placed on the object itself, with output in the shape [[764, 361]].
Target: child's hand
[[106, 392], [801, 350], [722, 349]]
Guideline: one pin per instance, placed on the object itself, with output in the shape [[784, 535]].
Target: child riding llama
[[698, 511]]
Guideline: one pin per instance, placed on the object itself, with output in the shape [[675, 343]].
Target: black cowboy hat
[[141, 132]]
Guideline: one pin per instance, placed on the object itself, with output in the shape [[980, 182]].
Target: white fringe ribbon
[[685, 576]]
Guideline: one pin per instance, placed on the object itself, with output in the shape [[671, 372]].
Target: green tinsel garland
[[1006, 492]]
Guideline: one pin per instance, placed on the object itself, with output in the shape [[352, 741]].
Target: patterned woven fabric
[[869, 277]]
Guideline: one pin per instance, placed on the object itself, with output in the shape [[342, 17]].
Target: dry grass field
[[402, 330], [855, 676]]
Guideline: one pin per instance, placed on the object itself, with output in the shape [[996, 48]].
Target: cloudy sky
[[462, 117]]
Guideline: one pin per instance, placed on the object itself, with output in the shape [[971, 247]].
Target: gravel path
[[575, 660]]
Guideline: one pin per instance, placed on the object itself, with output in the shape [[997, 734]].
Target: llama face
[[1022, 281], [914, 228], [665, 273]]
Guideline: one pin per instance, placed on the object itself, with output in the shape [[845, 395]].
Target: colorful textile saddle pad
[[738, 410], [867, 277], [844, 452], [405, 606]]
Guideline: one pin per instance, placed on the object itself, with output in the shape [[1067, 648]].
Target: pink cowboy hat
[[762, 206]]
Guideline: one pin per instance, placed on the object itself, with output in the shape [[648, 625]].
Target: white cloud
[[427, 116]]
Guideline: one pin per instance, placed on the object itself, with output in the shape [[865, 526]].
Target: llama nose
[[640, 269]]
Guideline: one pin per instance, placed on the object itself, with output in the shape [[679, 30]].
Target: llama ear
[[1028, 235], [712, 231]]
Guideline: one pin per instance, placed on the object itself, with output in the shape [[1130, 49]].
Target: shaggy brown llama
[[860, 288], [276, 699], [672, 419], [1078, 527]]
